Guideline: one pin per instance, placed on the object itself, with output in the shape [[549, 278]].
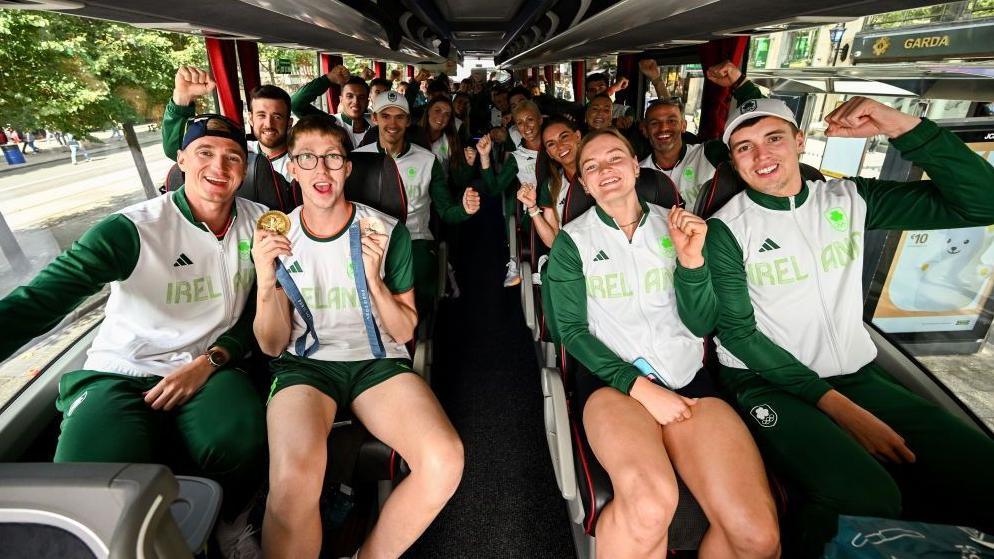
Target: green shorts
[[342, 381]]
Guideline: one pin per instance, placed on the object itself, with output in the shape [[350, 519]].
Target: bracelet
[[534, 211], [739, 82]]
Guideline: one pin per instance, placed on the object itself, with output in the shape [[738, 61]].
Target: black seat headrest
[[726, 183], [375, 182], [652, 186]]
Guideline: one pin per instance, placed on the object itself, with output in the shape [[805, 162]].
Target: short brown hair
[[318, 124]]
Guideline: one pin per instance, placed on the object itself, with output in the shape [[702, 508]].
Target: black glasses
[[308, 161]]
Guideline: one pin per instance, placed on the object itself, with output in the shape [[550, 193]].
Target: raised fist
[[190, 84]]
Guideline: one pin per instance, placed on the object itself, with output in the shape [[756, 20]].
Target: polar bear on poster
[[954, 276]]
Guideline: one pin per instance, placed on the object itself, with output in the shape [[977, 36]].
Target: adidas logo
[[768, 244], [295, 268], [601, 255], [183, 260]]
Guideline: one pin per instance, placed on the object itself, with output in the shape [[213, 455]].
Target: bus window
[[77, 167]]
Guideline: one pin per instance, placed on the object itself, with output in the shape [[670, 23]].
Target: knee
[[755, 536], [295, 483], [647, 503], [440, 467]]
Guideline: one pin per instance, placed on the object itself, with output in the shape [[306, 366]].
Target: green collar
[[403, 152], [347, 120], [609, 221], [781, 203], [333, 237], [183, 203], [683, 153]]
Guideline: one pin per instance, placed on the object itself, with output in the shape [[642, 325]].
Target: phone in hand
[[648, 371]]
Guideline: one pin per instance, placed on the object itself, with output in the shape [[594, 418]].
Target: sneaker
[[513, 277], [237, 538]]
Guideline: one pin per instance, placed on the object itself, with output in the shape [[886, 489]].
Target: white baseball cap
[[390, 99], [756, 108]]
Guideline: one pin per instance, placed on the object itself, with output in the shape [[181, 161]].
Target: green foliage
[[74, 74], [953, 11], [301, 60]]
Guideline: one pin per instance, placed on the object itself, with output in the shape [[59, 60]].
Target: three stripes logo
[[601, 255], [295, 268], [183, 260], [769, 244]]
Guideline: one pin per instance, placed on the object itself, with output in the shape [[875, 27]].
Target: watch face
[[216, 358]]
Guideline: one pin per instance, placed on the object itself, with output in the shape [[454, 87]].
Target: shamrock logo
[[244, 249], [350, 270], [838, 219], [666, 247]]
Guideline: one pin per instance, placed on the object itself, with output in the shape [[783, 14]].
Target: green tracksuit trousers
[[951, 481], [220, 433]]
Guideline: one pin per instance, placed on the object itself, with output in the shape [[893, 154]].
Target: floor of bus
[[486, 376]]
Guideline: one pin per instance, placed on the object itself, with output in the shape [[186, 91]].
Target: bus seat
[[652, 186], [375, 182], [262, 184], [103, 510], [689, 522], [726, 183]]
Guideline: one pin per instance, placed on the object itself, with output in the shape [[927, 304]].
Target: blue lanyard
[[293, 294], [359, 271]]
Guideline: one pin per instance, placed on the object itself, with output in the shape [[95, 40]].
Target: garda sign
[[929, 43], [284, 66]]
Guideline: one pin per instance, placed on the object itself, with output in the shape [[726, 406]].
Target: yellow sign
[[927, 42]]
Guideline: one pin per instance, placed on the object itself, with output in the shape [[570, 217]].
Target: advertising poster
[[939, 280]]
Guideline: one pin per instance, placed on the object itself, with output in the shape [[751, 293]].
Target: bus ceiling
[[516, 33]]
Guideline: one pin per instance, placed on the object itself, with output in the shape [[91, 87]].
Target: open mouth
[[322, 187], [767, 171], [609, 182], [564, 154], [663, 137], [215, 181]]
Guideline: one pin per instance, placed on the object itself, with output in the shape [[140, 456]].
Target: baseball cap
[[390, 99], [213, 125], [756, 108]]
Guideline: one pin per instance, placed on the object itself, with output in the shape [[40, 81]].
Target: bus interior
[[531, 487]]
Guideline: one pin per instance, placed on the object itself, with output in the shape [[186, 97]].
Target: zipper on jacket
[[226, 281], [826, 315]]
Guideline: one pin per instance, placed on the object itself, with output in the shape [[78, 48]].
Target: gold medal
[[274, 221]]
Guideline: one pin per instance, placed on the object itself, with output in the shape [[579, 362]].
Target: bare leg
[[718, 460], [628, 443], [299, 419], [404, 414]]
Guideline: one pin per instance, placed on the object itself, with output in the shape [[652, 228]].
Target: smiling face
[[392, 123], [439, 115], [516, 99], [765, 152], [270, 122], [560, 144], [608, 169], [355, 100], [214, 168], [321, 187], [663, 125], [599, 113], [529, 124], [595, 87]]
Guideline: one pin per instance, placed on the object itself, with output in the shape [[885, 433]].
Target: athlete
[[161, 379], [786, 257], [269, 108], [425, 182], [597, 84], [352, 266], [689, 166], [598, 113], [437, 132], [633, 298], [351, 108], [546, 203], [518, 167]]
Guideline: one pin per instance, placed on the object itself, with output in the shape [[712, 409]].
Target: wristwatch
[[216, 357]]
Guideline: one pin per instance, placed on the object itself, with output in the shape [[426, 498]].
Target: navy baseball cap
[[213, 125]]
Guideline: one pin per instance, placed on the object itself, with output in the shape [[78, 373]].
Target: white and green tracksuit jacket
[[176, 289], [616, 301], [787, 271]]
